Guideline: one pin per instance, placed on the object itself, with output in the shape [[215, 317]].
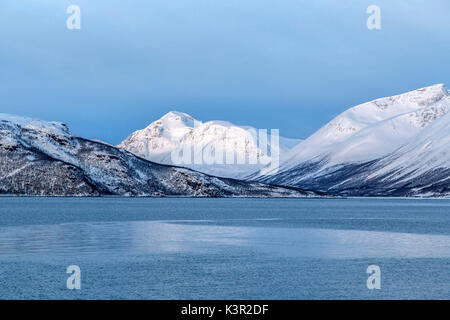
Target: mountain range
[[393, 146], [41, 158]]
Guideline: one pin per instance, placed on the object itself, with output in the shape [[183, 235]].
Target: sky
[[291, 65]]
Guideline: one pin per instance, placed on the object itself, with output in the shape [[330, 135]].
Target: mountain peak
[[439, 86], [416, 98], [177, 116], [437, 91], [25, 122]]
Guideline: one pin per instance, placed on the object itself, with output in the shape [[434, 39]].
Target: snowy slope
[[177, 130], [43, 158], [423, 164], [348, 151], [373, 129], [429, 150]]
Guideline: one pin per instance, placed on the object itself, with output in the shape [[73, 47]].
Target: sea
[[231, 248]]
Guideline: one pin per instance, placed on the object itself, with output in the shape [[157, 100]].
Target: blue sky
[[285, 64]]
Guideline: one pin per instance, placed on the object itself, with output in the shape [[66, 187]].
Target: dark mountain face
[[25, 172], [359, 180], [43, 159]]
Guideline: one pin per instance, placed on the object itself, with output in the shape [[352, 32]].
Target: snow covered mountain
[[179, 131], [391, 146], [44, 159], [395, 146]]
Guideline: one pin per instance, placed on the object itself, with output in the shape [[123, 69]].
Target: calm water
[[224, 248]]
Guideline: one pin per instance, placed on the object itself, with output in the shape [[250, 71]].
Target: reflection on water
[[224, 248], [156, 237]]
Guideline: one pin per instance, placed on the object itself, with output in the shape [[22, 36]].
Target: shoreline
[[233, 197]]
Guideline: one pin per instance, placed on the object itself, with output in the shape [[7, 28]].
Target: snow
[[49, 127], [374, 129], [428, 151], [397, 146], [177, 131], [47, 137]]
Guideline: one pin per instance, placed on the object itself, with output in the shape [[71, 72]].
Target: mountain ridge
[[41, 158], [392, 146], [351, 161]]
